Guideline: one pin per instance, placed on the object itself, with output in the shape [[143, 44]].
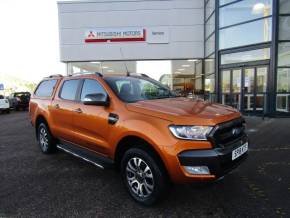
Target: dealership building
[[236, 52]]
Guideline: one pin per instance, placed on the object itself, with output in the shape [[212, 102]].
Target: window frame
[[77, 92], [244, 21], [53, 89]]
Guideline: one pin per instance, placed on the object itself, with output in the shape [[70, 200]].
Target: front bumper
[[218, 160]]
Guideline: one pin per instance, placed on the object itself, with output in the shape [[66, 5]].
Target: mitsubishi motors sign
[[115, 35]]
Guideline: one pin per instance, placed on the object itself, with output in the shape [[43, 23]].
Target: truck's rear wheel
[[45, 140], [143, 177]]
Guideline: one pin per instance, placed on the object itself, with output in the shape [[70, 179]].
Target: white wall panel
[[183, 18]]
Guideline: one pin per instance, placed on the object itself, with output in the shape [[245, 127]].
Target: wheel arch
[[40, 119], [133, 141]]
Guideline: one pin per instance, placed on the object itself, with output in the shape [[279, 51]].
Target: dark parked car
[[20, 100]]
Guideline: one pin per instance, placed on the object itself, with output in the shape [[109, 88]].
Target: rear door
[[61, 109], [91, 122]]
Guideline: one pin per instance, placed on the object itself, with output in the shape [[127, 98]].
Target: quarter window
[[69, 89], [45, 88]]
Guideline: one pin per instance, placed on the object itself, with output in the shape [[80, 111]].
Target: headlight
[[191, 132]]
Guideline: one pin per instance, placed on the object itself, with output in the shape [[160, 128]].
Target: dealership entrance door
[[245, 88]]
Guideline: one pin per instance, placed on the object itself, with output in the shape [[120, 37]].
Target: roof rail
[[99, 74], [137, 74], [87, 73], [55, 75]]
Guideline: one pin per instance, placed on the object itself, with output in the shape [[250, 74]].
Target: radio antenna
[[123, 57], [101, 66]]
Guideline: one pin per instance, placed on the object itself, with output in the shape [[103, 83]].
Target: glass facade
[[283, 65], [244, 11], [284, 54], [246, 56], [260, 31], [284, 6], [210, 48], [245, 37], [284, 28]]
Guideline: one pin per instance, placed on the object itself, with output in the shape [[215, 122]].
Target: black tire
[[153, 189], [8, 111], [45, 140]]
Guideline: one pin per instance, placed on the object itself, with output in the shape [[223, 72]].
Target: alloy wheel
[[43, 139], [139, 177]]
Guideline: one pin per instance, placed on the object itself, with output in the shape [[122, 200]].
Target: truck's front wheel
[[143, 177]]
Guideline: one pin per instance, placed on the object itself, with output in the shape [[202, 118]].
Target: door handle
[[56, 106], [78, 110], [113, 118]]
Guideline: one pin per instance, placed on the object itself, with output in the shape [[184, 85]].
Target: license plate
[[239, 151]]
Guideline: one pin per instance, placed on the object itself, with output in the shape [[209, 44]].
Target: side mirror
[[99, 99]]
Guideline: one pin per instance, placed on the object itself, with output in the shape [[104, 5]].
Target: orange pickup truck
[[140, 127]]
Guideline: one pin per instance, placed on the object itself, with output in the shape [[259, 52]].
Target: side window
[[69, 89], [91, 87], [45, 88]]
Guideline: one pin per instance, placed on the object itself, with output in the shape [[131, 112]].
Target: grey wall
[[183, 18]]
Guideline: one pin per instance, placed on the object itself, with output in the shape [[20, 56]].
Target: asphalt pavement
[[59, 185]]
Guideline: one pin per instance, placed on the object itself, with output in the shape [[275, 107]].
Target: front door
[[91, 122], [245, 88]]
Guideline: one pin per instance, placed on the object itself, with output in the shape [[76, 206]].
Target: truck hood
[[185, 111]]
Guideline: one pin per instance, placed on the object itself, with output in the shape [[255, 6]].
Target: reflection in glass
[[284, 54], [226, 99], [210, 26], [226, 79], [262, 73], [246, 56], [284, 28], [210, 45], [236, 83], [236, 101], [284, 6], [249, 102], [209, 8], [259, 31], [209, 65], [283, 102], [223, 2], [209, 83], [249, 80], [283, 80], [244, 11], [260, 102]]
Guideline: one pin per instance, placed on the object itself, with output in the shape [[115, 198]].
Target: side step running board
[[86, 155]]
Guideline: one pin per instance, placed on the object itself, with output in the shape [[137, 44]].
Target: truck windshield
[[133, 89]]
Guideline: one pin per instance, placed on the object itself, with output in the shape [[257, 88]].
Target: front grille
[[228, 132]]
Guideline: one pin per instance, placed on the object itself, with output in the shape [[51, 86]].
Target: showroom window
[[182, 76], [246, 56], [284, 6], [246, 16], [283, 69], [284, 54], [260, 31], [209, 8], [284, 30], [244, 11], [209, 62]]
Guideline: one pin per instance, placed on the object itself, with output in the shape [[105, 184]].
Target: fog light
[[200, 170]]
